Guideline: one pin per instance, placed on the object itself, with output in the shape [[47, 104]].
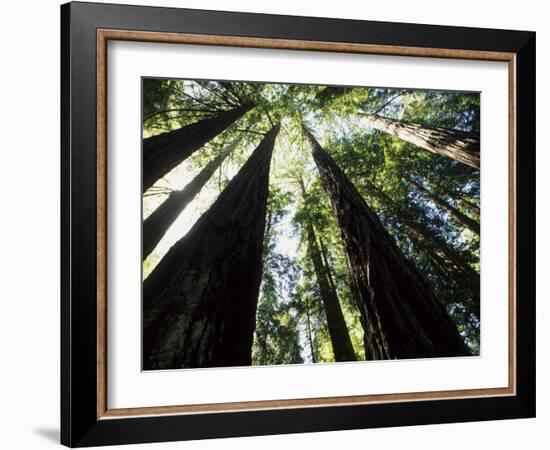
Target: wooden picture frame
[[86, 418]]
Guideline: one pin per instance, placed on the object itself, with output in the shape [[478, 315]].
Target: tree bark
[[459, 145], [326, 263], [446, 258], [342, 346], [200, 301], [337, 328], [160, 220], [451, 263], [164, 152], [401, 316], [309, 333], [454, 213]]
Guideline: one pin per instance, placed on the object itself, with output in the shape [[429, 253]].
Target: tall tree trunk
[[326, 263], [337, 328], [402, 316], [200, 301], [446, 258], [159, 221], [310, 333], [451, 264], [472, 208], [164, 152], [455, 214], [459, 145]]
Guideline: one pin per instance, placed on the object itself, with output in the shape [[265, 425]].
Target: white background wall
[[29, 174]]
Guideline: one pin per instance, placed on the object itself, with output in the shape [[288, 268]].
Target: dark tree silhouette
[[337, 328], [158, 222], [165, 151], [447, 259], [472, 208], [200, 301], [401, 316], [257, 281]]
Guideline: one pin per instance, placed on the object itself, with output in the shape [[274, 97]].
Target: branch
[[154, 190], [269, 117], [249, 131], [196, 100], [395, 97], [150, 116], [206, 85]]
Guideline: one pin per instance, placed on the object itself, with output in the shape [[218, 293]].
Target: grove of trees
[[286, 224]]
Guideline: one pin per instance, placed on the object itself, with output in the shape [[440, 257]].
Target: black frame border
[[79, 423]]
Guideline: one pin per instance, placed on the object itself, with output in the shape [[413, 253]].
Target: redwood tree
[[454, 213], [165, 151], [459, 145], [337, 328], [162, 218], [199, 303], [401, 316], [447, 259], [469, 206]]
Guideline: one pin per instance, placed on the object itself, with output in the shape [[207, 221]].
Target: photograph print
[[300, 224]]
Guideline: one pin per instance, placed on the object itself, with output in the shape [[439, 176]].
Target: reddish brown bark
[[459, 145], [447, 259], [401, 316]]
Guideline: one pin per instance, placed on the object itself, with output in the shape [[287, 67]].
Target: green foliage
[[458, 110], [290, 311], [276, 339], [380, 164]]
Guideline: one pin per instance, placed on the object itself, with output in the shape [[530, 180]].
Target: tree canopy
[[427, 201]]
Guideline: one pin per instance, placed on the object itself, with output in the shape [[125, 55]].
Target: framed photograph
[[276, 224]]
